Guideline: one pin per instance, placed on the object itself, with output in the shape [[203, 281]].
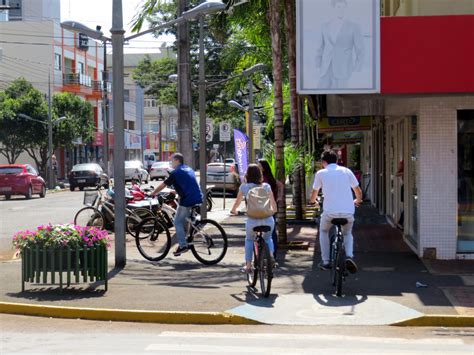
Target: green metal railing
[[66, 265]]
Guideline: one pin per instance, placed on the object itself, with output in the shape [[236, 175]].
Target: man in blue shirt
[[183, 180]]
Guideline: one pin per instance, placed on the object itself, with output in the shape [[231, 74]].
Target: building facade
[[417, 158], [34, 46]]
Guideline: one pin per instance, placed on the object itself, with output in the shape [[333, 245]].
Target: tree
[[79, 123], [290, 30], [275, 28], [17, 133], [154, 76]]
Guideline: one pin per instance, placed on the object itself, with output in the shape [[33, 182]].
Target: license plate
[[81, 181], [6, 188]]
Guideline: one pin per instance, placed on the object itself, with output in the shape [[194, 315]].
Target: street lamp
[[97, 34], [117, 40], [50, 124]]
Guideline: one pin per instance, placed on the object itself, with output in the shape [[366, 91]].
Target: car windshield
[[161, 164], [132, 164], [85, 167], [11, 170]]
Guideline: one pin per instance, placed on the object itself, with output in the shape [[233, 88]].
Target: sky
[[99, 12]]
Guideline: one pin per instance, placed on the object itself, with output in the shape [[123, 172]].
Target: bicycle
[[263, 266], [207, 239], [338, 256], [100, 213]]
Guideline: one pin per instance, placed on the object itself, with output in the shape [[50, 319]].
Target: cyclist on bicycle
[[183, 179], [254, 179], [336, 183]]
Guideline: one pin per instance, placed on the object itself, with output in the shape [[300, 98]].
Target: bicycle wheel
[[135, 218], [333, 262], [265, 270], [208, 241], [153, 239], [89, 217], [253, 277], [340, 268]]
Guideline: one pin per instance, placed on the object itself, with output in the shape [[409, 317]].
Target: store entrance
[[401, 175]]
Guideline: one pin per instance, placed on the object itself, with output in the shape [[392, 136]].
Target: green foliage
[[153, 75], [79, 122], [294, 158], [16, 132]]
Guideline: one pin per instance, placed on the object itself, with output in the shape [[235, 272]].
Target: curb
[[125, 315], [437, 321]]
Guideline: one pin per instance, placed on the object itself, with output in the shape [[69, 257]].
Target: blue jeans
[[250, 235], [180, 224]]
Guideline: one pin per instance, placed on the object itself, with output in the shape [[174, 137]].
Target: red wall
[[429, 54]]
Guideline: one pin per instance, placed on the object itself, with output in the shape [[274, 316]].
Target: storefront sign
[[338, 46], [98, 139], [132, 140], [342, 124], [83, 42]]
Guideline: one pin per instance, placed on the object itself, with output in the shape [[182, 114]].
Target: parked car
[[134, 169], [87, 175], [159, 170], [215, 176], [21, 179]]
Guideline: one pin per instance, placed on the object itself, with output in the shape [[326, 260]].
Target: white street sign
[[224, 132], [209, 130]]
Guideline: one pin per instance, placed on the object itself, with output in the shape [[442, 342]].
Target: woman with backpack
[[276, 190], [261, 207]]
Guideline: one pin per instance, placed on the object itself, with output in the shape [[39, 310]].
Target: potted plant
[[64, 250]]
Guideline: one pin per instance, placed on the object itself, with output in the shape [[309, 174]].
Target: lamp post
[[117, 40]]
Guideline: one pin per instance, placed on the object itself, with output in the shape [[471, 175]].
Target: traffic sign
[[224, 132], [209, 130]]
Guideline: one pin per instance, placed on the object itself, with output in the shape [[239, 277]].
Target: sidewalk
[[383, 292]]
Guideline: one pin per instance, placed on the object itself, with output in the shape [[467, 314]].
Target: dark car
[[21, 179], [87, 175]]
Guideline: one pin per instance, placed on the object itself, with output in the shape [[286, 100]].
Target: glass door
[[411, 223], [465, 181]]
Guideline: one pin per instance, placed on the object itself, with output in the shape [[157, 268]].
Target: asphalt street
[[57, 336], [57, 207]]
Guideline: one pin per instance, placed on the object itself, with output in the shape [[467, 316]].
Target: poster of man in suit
[[338, 47]]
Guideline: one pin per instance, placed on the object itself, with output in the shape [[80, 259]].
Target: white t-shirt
[[337, 183]]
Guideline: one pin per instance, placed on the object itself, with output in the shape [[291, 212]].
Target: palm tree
[[290, 27], [275, 22]]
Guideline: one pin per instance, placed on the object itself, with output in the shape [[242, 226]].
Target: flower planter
[[62, 254], [64, 266]]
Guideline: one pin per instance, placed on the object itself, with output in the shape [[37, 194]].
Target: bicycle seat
[[197, 205], [262, 229], [339, 221]]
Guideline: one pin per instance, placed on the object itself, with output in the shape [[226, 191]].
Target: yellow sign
[[169, 146], [343, 124]]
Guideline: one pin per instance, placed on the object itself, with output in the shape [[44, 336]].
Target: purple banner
[[241, 152]]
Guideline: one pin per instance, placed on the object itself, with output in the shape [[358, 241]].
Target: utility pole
[[185, 117], [202, 117], [105, 109], [250, 133], [160, 117], [119, 151], [50, 136]]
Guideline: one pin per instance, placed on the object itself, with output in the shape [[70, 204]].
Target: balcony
[[76, 79]]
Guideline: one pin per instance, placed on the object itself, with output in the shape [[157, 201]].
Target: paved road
[[58, 207], [48, 336]]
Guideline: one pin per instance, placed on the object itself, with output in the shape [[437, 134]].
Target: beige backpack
[[259, 205]]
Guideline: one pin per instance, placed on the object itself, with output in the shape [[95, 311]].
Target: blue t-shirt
[[184, 182]]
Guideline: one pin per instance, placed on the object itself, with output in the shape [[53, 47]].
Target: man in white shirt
[[337, 184]]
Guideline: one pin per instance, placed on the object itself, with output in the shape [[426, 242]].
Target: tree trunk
[[290, 26], [11, 154], [275, 20], [40, 156]]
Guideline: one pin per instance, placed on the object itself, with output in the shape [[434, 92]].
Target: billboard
[[338, 46]]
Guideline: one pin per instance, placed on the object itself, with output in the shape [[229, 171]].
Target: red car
[[21, 179]]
